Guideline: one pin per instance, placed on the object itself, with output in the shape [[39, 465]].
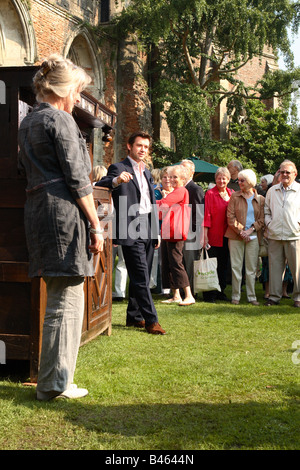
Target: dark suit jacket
[[126, 198], [196, 196]]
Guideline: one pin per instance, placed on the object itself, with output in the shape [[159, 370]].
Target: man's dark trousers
[[138, 259]]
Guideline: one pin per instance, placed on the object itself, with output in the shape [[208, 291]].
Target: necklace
[[225, 196]]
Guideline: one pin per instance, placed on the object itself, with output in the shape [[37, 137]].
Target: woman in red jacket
[[175, 214], [215, 225]]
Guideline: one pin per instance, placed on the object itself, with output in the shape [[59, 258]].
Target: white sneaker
[[73, 392]]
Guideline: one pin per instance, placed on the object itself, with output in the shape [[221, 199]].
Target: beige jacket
[[237, 215], [282, 212]]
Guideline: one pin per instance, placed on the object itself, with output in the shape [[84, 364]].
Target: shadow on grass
[[173, 426]]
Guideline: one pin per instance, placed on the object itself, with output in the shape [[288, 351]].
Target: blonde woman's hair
[[59, 76], [98, 172], [222, 171], [156, 175], [163, 171]]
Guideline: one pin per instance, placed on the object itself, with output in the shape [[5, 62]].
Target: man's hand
[[124, 177], [157, 245]]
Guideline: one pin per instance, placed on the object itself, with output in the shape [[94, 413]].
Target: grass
[[221, 378]]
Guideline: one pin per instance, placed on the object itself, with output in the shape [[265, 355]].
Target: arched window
[[17, 37], [105, 11]]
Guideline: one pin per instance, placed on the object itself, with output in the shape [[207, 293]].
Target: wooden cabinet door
[[99, 287]]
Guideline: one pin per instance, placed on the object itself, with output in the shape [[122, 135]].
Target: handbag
[[263, 245], [205, 273], [263, 248]]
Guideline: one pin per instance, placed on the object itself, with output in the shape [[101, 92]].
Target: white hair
[[267, 178], [181, 170], [190, 166], [249, 176]]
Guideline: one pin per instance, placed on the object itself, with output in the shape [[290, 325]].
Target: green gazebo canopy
[[202, 166], [204, 171]]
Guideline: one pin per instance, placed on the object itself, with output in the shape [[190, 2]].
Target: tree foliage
[[264, 139], [200, 44]]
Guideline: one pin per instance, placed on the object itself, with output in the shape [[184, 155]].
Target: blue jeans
[[61, 332]]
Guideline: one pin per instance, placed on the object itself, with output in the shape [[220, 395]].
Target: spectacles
[[241, 181], [286, 172]]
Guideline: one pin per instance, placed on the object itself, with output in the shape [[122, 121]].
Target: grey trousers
[[61, 332], [280, 252]]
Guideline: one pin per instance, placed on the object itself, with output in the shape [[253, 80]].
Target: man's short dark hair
[[142, 134]]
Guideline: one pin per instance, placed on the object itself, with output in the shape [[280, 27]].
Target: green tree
[[265, 138], [194, 45]]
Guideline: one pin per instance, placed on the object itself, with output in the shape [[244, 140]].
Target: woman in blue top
[[61, 223], [245, 217]]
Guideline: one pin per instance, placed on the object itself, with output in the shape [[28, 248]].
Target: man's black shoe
[[270, 302]]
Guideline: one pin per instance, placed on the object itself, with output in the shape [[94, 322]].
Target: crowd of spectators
[[230, 220], [235, 216]]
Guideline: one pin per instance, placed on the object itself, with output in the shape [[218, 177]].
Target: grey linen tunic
[[57, 165]]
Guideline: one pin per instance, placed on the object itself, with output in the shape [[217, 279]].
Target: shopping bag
[[205, 273]]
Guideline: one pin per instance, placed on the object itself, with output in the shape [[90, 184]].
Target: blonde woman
[[98, 172], [61, 222], [173, 210]]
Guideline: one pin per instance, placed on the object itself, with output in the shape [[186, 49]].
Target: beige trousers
[[238, 250], [281, 252]]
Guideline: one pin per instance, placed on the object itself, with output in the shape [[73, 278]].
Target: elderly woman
[[162, 190], [175, 215], [265, 183], [165, 186], [245, 216], [215, 226], [61, 222]]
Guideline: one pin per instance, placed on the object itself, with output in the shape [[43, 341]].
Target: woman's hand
[[245, 234], [205, 242], [87, 205], [164, 192]]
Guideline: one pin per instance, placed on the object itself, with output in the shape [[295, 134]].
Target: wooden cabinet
[[23, 300], [97, 317]]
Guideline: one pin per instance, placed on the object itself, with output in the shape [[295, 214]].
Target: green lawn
[[223, 377]]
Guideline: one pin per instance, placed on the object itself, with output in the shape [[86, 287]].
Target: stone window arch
[[17, 37], [81, 49]]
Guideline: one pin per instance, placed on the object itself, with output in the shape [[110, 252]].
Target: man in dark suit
[[191, 250], [136, 228]]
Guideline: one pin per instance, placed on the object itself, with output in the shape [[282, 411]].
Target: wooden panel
[[15, 308], [13, 272], [17, 346], [12, 235], [12, 193], [99, 287], [18, 83], [38, 301]]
